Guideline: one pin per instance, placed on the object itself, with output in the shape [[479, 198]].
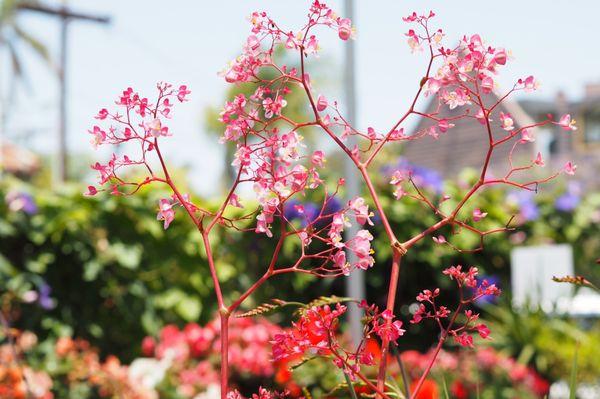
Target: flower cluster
[[467, 77], [467, 372], [167, 206], [17, 379], [271, 158], [111, 378], [21, 201], [315, 333], [139, 122], [191, 352], [266, 34], [429, 309]]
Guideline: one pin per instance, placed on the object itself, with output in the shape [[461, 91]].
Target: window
[[592, 127], [545, 142]]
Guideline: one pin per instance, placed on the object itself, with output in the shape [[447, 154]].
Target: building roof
[[18, 160], [466, 144]]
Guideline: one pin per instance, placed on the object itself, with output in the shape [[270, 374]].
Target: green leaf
[[446, 395], [189, 308], [128, 256], [573, 382], [350, 387]]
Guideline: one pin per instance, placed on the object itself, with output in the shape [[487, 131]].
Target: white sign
[[532, 269]]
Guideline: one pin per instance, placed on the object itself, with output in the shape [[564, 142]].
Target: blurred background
[[92, 287]]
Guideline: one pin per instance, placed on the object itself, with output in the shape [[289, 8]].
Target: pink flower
[[321, 103], [312, 47], [361, 210], [527, 136], [444, 125], [530, 84], [99, 136], [273, 107], [344, 28], [91, 191], [419, 315], [483, 331], [318, 158], [467, 278], [339, 261], [148, 346], [102, 114], [464, 339], [234, 200], [182, 92], [570, 168], [411, 18], [390, 333], [290, 43], [156, 129], [539, 161], [361, 246], [456, 98], [165, 212], [428, 295], [432, 87], [500, 56], [480, 116], [413, 41], [440, 239], [478, 215], [397, 178], [567, 123], [507, 121], [487, 85]]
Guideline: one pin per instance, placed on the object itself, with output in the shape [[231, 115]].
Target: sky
[[189, 42]]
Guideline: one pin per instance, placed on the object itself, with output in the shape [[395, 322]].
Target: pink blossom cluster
[[464, 370], [429, 309], [136, 121], [467, 77], [315, 333], [258, 50], [194, 351], [270, 158]]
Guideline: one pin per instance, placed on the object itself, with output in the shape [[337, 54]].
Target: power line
[[65, 15]]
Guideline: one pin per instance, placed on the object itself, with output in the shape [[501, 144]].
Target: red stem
[[437, 350], [391, 300], [224, 316]]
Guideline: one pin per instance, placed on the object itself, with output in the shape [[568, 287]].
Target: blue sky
[[188, 42]]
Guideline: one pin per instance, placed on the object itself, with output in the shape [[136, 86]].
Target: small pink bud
[[321, 103], [478, 215], [439, 239]]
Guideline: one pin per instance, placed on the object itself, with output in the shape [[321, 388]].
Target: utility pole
[[355, 283], [66, 15]]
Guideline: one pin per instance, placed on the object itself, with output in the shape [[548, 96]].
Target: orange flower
[[429, 390]]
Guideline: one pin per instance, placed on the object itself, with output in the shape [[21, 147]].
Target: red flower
[[458, 390], [429, 390]]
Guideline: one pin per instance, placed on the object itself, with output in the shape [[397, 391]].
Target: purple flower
[[21, 201], [527, 206], [332, 206], [423, 177], [569, 200], [291, 211], [44, 299]]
